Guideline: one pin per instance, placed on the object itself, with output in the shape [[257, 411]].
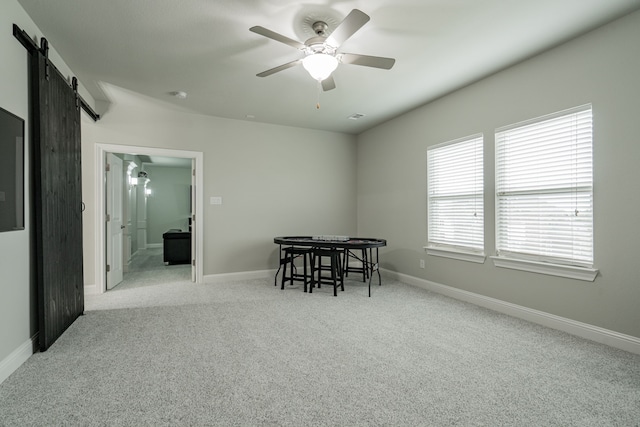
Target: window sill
[[456, 254], [571, 272]]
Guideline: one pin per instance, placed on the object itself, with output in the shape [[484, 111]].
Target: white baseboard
[[17, 358], [154, 245], [584, 330], [243, 275], [249, 275], [91, 289]]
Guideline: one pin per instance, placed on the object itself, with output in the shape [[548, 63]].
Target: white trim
[[154, 245], [101, 150], [456, 254], [584, 330], [455, 141], [557, 114], [91, 289], [571, 272], [242, 275], [17, 357], [100, 279]]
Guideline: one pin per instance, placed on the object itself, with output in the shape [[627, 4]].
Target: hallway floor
[[147, 269]]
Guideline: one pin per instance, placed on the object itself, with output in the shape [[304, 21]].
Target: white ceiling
[[173, 162], [205, 48]]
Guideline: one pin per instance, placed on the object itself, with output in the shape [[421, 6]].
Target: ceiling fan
[[321, 52]]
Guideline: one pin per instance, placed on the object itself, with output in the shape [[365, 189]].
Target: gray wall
[[274, 180], [602, 68], [16, 320], [168, 205]]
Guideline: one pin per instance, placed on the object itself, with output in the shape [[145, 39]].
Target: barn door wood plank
[[57, 201]]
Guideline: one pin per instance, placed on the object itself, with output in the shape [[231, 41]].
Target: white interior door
[[194, 224], [114, 220]]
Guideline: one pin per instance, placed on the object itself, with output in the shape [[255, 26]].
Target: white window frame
[[534, 257], [450, 247]]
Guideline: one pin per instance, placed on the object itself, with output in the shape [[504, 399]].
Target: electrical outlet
[[421, 263]]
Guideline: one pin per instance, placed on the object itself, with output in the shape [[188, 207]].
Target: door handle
[[122, 227]]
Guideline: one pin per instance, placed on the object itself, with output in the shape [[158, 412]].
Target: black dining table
[[370, 262]]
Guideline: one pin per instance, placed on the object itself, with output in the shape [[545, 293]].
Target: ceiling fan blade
[[328, 84], [279, 68], [352, 23], [277, 37], [367, 61]]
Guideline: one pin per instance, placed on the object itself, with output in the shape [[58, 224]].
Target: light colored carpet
[[147, 268], [249, 354]]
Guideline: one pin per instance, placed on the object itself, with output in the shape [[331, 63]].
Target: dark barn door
[[57, 199]]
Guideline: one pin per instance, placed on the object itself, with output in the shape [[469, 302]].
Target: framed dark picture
[[11, 171]]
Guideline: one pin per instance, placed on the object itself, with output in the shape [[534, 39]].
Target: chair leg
[[333, 277], [341, 269], [304, 261], [319, 268], [345, 257], [313, 264], [365, 263], [293, 268]]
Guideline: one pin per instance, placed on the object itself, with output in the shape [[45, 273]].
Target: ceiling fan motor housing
[[319, 45], [320, 28]]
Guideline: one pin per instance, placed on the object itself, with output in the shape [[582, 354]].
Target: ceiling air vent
[[355, 116]]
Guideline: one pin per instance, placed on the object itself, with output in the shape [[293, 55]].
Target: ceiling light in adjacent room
[[179, 94]]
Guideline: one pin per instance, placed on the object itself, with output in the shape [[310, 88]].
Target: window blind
[[455, 194], [544, 189]]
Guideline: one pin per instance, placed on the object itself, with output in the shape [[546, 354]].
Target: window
[[455, 199], [544, 193]]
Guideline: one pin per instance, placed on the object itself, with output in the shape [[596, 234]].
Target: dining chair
[[326, 260], [362, 260], [291, 273]]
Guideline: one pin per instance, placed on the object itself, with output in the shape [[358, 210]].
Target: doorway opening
[[129, 241]]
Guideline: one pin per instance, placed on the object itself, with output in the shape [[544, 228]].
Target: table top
[[346, 242]]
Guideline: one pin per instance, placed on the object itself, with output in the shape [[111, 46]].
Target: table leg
[[378, 268], [275, 279], [375, 266]]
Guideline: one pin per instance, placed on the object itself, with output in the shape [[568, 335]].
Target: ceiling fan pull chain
[[319, 90]]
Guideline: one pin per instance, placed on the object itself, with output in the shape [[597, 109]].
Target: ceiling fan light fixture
[[320, 65]]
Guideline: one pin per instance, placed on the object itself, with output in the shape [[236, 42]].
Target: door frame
[[100, 191]]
